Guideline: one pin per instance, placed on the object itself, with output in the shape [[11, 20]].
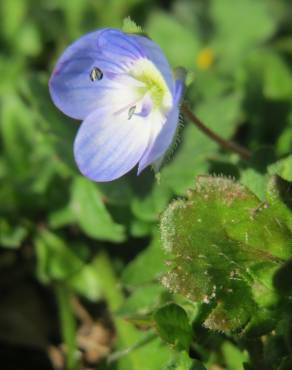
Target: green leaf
[[173, 326], [279, 197], [90, 212], [172, 37], [193, 149], [27, 151], [255, 181], [129, 339], [139, 228], [13, 14], [224, 246], [11, 237], [252, 20], [57, 130], [254, 176], [55, 260], [142, 301], [234, 358], [18, 135], [149, 207], [284, 143], [28, 41], [183, 362], [148, 266], [74, 12], [277, 77], [130, 26], [118, 192], [222, 115], [86, 281], [282, 168], [61, 217]]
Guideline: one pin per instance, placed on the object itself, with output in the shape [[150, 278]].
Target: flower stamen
[[131, 111], [144, 71]]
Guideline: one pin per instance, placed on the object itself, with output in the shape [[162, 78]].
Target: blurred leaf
[[222, 115], [183, 362], [277, 78], [61, 217], [240, 25], [194, 148], [90, 212], [283, 168], [279, 197], [10, 72], [74, 12], [284, 143], [142, 301], [234, 358], [173, 326], [27, 150], [172, 37], [86, 281], [255, 176], [28, 41], [11, 237], [18, 134], [55, 260], [284, 44], [112, 12], [255, 181], [146, 267], [210, 85], [118, 192], [148, 207], [153, 350], [139, 228], [133, 355], [12, 14], [57, 130]]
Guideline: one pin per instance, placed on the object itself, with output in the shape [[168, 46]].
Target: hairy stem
[[229, 145]]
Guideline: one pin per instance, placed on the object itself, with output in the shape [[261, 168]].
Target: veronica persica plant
[[123, 89]]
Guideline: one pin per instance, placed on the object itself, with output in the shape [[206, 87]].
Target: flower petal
[[108, 145], [118, 45], [156, 55], [160, 141], [71, 86]]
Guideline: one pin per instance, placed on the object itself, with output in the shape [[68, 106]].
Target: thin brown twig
[[229, 145]]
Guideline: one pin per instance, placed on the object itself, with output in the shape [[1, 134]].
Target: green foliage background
[[65, 239]]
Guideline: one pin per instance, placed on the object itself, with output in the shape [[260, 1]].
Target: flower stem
[[229, 145], [68, 324], [128, 337]]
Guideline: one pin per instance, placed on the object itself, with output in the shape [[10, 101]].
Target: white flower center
[[140, 91], [152, 84]]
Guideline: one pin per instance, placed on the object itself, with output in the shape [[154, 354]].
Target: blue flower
[[123, 89]]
